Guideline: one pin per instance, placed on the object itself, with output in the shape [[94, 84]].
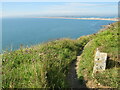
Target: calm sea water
[[31, 31]]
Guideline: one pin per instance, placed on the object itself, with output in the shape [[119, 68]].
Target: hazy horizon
[[38, 9]]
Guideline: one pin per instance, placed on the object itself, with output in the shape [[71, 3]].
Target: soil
[[72, 79], [74, 82]]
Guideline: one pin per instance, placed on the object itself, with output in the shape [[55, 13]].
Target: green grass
[[106, 41], [0, 71], [41, 66], [46, 65]]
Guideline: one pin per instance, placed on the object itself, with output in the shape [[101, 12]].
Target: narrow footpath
[[72, 79]]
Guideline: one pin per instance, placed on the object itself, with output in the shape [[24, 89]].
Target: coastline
[[109, 19], [102, 29], [51, 55]]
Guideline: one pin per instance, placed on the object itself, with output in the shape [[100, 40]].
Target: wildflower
[[33, 60], [41, 54], [6, 60], [26, 50]]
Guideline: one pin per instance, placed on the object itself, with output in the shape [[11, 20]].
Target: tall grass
[[41, 66]]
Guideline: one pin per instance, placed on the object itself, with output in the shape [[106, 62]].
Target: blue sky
[[59, 0], [33, 9]]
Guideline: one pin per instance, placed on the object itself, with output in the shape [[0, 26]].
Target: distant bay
[[32, 31]]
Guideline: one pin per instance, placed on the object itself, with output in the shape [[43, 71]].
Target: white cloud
[[77, 8], [66, 9]]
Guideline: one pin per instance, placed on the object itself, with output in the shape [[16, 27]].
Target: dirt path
[[72, 79]]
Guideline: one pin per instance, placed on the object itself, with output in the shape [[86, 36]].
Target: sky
[[59, 0], [36, 9]]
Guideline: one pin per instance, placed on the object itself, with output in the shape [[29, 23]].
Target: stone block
[[99, 61]]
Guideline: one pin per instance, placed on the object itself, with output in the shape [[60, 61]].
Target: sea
[[33, 31]]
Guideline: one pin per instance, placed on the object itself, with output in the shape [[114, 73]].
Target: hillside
[[107, 41], [47, 65], [40, 66]]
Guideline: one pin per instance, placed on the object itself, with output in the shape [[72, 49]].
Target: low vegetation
[[41, 66], [107, 41], [46, 65]]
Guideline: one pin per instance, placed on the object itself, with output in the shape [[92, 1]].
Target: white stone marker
[[100, 61]]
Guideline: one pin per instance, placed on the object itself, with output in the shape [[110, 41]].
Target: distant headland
[[110, 19]]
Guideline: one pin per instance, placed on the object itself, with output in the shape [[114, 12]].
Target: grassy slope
[[46, 65], [106, 41], [41, 66]]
